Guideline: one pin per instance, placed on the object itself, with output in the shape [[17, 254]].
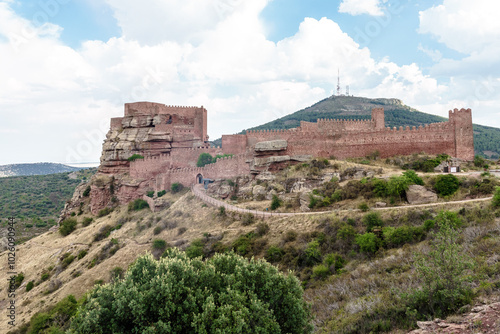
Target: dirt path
[[199, 192]]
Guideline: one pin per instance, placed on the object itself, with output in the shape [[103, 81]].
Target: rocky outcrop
[[420, 195], [273, 145], [483, 319]]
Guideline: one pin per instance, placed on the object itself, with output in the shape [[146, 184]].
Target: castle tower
[[378, 118], [464, 134]]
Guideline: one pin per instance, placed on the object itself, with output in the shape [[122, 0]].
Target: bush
[[38, 323], [247, 219], [30, 286], [135, 157], [116, 273], [104, 212], [222, 211], [413, 177], [82, 254], [397, 186], [138, 204], [320, 271], [275, 203], [226, 294], [445, 272], [86, 193], [447, 185], [159, 244], [495, 202], [161, 193], [87, 221], [262, 229], [204, 159], [274, 254], [176, 187], [157, 230], [364, 207], [334, 262], [45, 276], [368, 242], [150, 194], [195, 249], [312, 253], [379, 187], [372, 220], [19, 280], [67, 226]]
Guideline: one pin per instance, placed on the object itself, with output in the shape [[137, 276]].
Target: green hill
[[486, 139], [40, 168], [38, 195]]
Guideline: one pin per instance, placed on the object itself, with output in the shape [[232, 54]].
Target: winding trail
[[199, 192]]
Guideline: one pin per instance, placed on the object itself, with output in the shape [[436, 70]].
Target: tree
[[204, 159], [412, 176], [447, 185], [444, 272], [397, 186], [276, 203], [224, 294], [496, 198]]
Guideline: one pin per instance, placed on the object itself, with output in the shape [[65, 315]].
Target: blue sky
[[69, 65]]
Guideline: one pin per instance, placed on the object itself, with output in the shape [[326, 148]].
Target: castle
[[171, 138]]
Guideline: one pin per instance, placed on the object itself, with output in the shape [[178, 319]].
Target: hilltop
[[40, 168], [486, 139]]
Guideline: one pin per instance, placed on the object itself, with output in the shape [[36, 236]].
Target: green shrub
[[226, 294], [82, 254], [138, 204], [87, 221], [67, 226], [397, 186], [157, 230], [116, 273], [379, 188], [337, 195], [150, 194], [334, 262], [204, 159], [368, 242], [45, 276], [275, 203], [429, 224], [395, 237], [104, 212], [495, 202], [445, 272], [176, 187], [479, 161], [290, 236], [413, 177], [312, 253], [447, 185], [159, 244], [67, 260], [274, 254], [320, 271], [135, 157], [30, 285], [19, 280], [86, 192], [222, 211], [364, 207], [161, 193], [313, 201], [195, 249], [39, 322], [372, 220], [346, 233], [449, 217]]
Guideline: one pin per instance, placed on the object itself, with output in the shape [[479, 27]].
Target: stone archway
[[199, 179]]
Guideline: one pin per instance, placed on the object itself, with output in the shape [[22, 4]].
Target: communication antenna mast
[[347, 90], [338, 82]]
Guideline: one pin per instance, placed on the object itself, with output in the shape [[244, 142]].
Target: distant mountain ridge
[[486, 139], [40, 168]]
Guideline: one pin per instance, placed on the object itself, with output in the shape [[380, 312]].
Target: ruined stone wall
[[150, 166], [464, 134]]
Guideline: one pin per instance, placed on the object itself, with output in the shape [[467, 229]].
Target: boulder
[[258, 191], [273, 145], [224, 191], [261, 162], [380, 204], [420, 195], [265, 176]]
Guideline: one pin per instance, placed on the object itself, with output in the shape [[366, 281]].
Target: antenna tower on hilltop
[[338, 82]]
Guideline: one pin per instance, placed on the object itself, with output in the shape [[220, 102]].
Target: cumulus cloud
[[171, 52], [358, 7]]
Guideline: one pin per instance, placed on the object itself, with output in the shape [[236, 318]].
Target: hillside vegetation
[[363, 270], [486, 139]]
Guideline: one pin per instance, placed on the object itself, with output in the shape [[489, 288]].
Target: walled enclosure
[[171, 138]]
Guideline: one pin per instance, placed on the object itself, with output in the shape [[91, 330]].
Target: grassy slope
[[487, 139]]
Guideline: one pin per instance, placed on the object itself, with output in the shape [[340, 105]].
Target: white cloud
[[358, 7], [463, 25], [435, 55], [62, 98]]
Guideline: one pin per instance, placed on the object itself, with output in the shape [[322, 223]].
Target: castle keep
[[171, 138]]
